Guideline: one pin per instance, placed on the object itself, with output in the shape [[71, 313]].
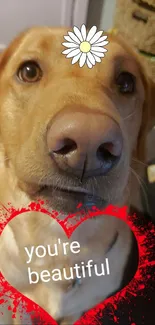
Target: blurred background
[[16, 15]]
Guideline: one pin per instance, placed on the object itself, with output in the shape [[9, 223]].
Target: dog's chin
[[70, 200]]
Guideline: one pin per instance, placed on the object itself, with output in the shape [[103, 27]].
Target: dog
[[68, 135]]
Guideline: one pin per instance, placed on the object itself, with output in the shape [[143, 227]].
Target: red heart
[[70, 223]]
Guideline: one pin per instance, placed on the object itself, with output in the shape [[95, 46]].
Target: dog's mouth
[[67, 199]]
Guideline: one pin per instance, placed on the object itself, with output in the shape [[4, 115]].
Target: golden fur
[[25, 111]]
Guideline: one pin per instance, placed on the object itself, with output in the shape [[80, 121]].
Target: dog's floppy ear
[[2, 49], [1, 54], [152, 104], [148, 115]]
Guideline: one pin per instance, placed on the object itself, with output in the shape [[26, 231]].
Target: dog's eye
[[126, 83], [29, 72]]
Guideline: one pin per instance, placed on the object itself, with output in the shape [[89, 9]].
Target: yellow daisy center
[[85, 47]]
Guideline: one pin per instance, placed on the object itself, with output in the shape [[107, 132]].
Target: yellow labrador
[[68, 135]]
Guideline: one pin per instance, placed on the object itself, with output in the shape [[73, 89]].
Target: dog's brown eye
[[29, 72], [126, 83]]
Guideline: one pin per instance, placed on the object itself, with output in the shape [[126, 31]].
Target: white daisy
[[85, 48]]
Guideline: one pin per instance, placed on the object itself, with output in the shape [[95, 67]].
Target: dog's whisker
[[142, 185], [139, 162], [140, 178], [130, 115]]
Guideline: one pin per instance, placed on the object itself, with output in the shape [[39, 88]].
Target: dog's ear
[[2, 49], [1, 54], [152, 104], [148, 116]]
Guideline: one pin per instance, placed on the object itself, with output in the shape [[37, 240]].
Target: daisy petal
[[76, 58], [72, 45], [67, 51], [101, 44], [97, 59], [105, 43], [83, 32], [96, 37], [69, 39], [89, 64], [99, 54], [82, 60], [103, 50], [73, 53], [74, 37], [91, 58], [98, 49], [101, 39], [78, 33], [91, 33]]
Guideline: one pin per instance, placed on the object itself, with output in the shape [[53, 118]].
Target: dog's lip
[[72, 193], [76, 190]]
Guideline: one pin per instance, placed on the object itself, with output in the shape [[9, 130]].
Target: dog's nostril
[[67, 146], [104, 152], [105, 155]]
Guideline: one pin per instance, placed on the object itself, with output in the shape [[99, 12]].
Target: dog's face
[[68, 132]]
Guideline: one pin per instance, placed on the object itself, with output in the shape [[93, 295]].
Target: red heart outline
[[136, 286]]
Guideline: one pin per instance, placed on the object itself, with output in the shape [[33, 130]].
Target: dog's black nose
[[84, 142]]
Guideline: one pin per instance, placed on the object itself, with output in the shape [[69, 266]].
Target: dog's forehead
[[49, 40], [43, 38], [45, 44]]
